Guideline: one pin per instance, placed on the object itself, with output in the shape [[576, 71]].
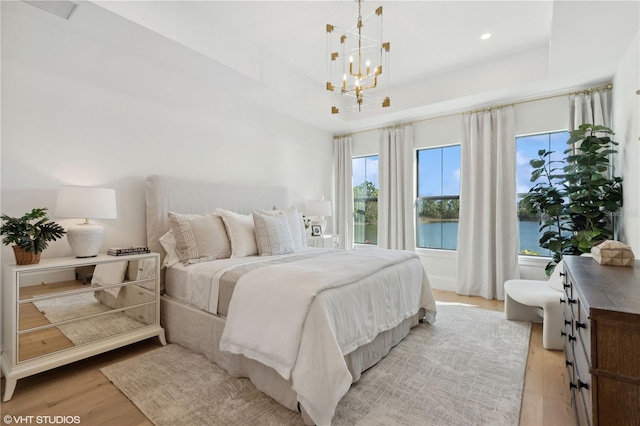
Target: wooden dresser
[[602, 341]]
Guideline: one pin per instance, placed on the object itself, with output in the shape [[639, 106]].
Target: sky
[[527, 148]]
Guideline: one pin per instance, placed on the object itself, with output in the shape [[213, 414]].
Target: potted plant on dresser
[[29, 234], [579, 201]]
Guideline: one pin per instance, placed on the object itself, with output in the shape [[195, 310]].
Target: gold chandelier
[[358, 62]]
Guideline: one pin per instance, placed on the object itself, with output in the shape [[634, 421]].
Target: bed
[[301, 323]]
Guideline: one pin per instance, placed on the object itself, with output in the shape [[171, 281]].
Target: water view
[[444, 235]]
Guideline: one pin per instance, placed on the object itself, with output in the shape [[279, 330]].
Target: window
[[438, 201], [527, 148], [365, 199]]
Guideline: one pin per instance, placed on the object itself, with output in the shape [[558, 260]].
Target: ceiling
[[438, 61]]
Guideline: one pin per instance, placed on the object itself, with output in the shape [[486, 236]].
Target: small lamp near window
[[316, 210], [86, 202]]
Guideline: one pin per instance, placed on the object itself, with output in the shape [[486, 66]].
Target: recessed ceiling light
[[485, 36]]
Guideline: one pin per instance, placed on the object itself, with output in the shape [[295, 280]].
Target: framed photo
[[316, 230]]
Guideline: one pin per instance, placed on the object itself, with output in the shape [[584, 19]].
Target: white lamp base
[[85, 239]]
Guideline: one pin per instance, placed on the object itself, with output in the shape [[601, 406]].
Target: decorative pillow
[[241, 232], [296, 225], [273, 235], [168, 243], [199, 237]]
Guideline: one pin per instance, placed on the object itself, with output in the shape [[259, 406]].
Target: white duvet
[[301, 318]]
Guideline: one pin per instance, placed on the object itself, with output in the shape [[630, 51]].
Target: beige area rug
[[466, 369], [89, 329]]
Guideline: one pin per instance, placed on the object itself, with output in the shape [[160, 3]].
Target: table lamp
[[86, 202], [318, 209]]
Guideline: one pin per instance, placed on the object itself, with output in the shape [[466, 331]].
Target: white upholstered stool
[[531, 300]]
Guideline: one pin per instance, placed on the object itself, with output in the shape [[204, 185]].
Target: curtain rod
[[439, 117]]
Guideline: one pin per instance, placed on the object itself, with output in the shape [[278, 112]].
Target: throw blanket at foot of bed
[[301, 318]]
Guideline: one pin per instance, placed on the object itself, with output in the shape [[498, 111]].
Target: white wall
[[626, 124], [100, 101]]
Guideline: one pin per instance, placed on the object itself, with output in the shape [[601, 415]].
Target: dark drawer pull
[[581, 324], [582, 385], [566, 285], [562, 334], [562, 300], [572, 301], [572, 385], [563, 274], [567, 322], [572, 338], [567, 363]]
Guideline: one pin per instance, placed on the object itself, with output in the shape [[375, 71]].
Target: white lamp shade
[[318, 208], [86, 202]]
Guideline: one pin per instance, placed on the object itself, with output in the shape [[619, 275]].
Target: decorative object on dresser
[[613, 253], [602, 341], [125, 251], [30, 234], [86, 202], [51, 318]]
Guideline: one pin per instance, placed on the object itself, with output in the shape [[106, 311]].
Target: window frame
[[420, 198], [520, 195], [363, 199]]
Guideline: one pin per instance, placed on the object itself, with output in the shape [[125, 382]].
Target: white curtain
[[488, 229], [344, 191], [396, 197], [589, 108]]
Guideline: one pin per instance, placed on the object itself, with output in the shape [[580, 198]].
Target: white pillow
[[168, 243], [273, 235], [199, 237], [296, 225], [241, 232]]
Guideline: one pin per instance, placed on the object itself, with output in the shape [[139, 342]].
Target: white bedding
[[322, 321], [198, 284], [314, 370]]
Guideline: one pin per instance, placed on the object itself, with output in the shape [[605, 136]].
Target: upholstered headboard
[[183, 195]]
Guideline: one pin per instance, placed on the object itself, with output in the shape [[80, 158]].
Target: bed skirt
[[185, 326]]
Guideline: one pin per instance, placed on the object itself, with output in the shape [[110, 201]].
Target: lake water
[[445, 235]]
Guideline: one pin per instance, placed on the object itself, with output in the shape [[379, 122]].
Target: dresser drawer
[[582, 330], [583, 379]]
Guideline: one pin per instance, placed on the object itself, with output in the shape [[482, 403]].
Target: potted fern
[[29, 234], [577, 202]]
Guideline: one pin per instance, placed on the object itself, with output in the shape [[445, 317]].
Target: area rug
[[466, 369], [88, 329]]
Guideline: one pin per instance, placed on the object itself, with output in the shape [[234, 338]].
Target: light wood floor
[[79, 389]]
